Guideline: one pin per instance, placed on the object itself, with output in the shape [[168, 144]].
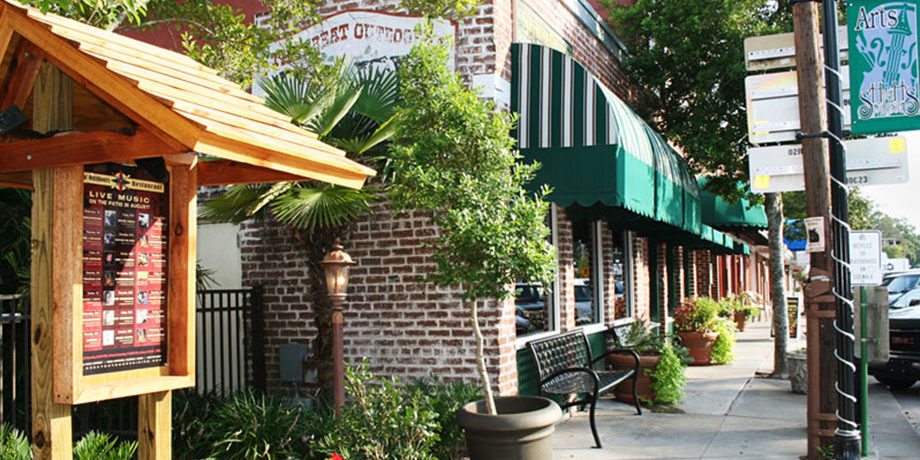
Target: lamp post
[[336, 264]]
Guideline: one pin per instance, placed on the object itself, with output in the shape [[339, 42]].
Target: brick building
[[626, 218]]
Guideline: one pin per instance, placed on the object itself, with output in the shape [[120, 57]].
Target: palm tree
[[352, 112]]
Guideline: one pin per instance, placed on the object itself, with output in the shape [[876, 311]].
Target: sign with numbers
[[871, 161], [884, 68]]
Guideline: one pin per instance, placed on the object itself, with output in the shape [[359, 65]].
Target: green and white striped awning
[[594, 149]]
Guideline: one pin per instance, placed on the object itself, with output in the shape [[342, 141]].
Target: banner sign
[[884, 76], [368, 39], [124, 269]]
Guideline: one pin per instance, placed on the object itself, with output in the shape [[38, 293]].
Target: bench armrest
[[620, 351]]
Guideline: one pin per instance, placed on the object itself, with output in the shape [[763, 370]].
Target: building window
[[535, 304], [585, 249], [621, 266]]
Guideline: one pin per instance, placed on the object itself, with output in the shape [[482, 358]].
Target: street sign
[[773, 105], [866, 258], [777, 51], [871, 161], [884, 69]]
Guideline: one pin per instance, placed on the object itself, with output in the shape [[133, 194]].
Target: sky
[[901, 200]]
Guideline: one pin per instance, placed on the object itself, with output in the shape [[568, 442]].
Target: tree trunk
[[480, 357], [774, 208]]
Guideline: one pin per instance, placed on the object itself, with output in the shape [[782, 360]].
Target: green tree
[[353, 114], [452, 157]]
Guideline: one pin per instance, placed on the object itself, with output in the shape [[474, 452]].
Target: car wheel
[[896, 383]]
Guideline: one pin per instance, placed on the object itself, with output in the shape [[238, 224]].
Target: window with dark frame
[[584, 248], [535, 306]]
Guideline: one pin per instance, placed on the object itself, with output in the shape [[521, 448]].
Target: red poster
[[125, 215]]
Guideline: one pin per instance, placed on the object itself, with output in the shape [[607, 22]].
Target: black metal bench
[[565, 366]]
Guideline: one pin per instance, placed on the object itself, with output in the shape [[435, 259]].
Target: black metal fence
[[230, 357], [15, 364]]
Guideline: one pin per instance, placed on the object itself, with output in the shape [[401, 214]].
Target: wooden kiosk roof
[[169, 102]]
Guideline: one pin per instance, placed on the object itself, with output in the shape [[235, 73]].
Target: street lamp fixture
[[336, 264]]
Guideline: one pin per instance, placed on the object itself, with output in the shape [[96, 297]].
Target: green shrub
[[258, 427], [723, 350], [13, 444], [668, 378], [382, 422], [102, 446], [697, 315], [192, 436], [446, 399]]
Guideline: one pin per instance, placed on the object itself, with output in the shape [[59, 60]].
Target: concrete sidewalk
[[728, 414]]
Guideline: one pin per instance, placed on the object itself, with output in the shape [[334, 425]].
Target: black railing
[[15, 364], [230, 357]]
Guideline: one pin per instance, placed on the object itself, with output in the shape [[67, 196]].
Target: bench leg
[[635, 382], [597, 439]]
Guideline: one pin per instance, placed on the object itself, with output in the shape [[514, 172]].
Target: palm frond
[[320, 207], [295, 97], [381, 92], [235, 205], [341, 104]]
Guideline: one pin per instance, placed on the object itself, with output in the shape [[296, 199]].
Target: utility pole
[[819, 302], [847, 434]]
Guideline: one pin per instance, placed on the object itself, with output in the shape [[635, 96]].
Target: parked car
[[903, 367], [584, 313], [901, 282], [910, 298], [529, 306]]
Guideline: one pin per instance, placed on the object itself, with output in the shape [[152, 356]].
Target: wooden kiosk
[[113, 138]]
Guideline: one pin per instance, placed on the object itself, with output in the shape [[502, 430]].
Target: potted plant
[[451, 158], [696, 322], [798, 370], [738, 309], [652, 382]]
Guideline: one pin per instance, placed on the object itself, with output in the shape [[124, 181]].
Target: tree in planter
[[453, 158]]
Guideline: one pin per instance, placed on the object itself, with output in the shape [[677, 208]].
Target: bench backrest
[[561, 351]]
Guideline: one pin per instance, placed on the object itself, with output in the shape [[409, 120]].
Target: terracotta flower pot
[[644, 383], [700, 346], [740, 320]]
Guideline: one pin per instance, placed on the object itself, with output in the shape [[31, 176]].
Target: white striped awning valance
[[561, 104]]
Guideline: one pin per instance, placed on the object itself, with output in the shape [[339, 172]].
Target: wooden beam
[[6, 32], [226, 172], [180, 295], [154, 426], [21, 180], [79, 149], [113, 89], [22, 78], [52, 437]]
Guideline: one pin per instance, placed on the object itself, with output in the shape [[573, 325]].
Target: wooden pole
[[54, 284], [818, 300], [154, 426]]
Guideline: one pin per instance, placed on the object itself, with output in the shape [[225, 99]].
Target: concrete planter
[[522, 430], [700, 346], [798, 372]]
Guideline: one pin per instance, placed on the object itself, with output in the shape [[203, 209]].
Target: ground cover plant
[[14, 445]]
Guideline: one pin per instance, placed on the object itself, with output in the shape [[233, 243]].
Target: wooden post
[[154, 426], [818, 301], [55, 283]]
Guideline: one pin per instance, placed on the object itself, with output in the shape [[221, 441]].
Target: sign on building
[[884, 65], [866, 258], [870, 161], [773, 106], [369, 39]]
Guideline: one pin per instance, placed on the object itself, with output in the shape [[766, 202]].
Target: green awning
[[594, 149], [721, 214]]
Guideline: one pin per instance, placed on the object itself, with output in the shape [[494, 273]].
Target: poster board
[[131, 317]]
